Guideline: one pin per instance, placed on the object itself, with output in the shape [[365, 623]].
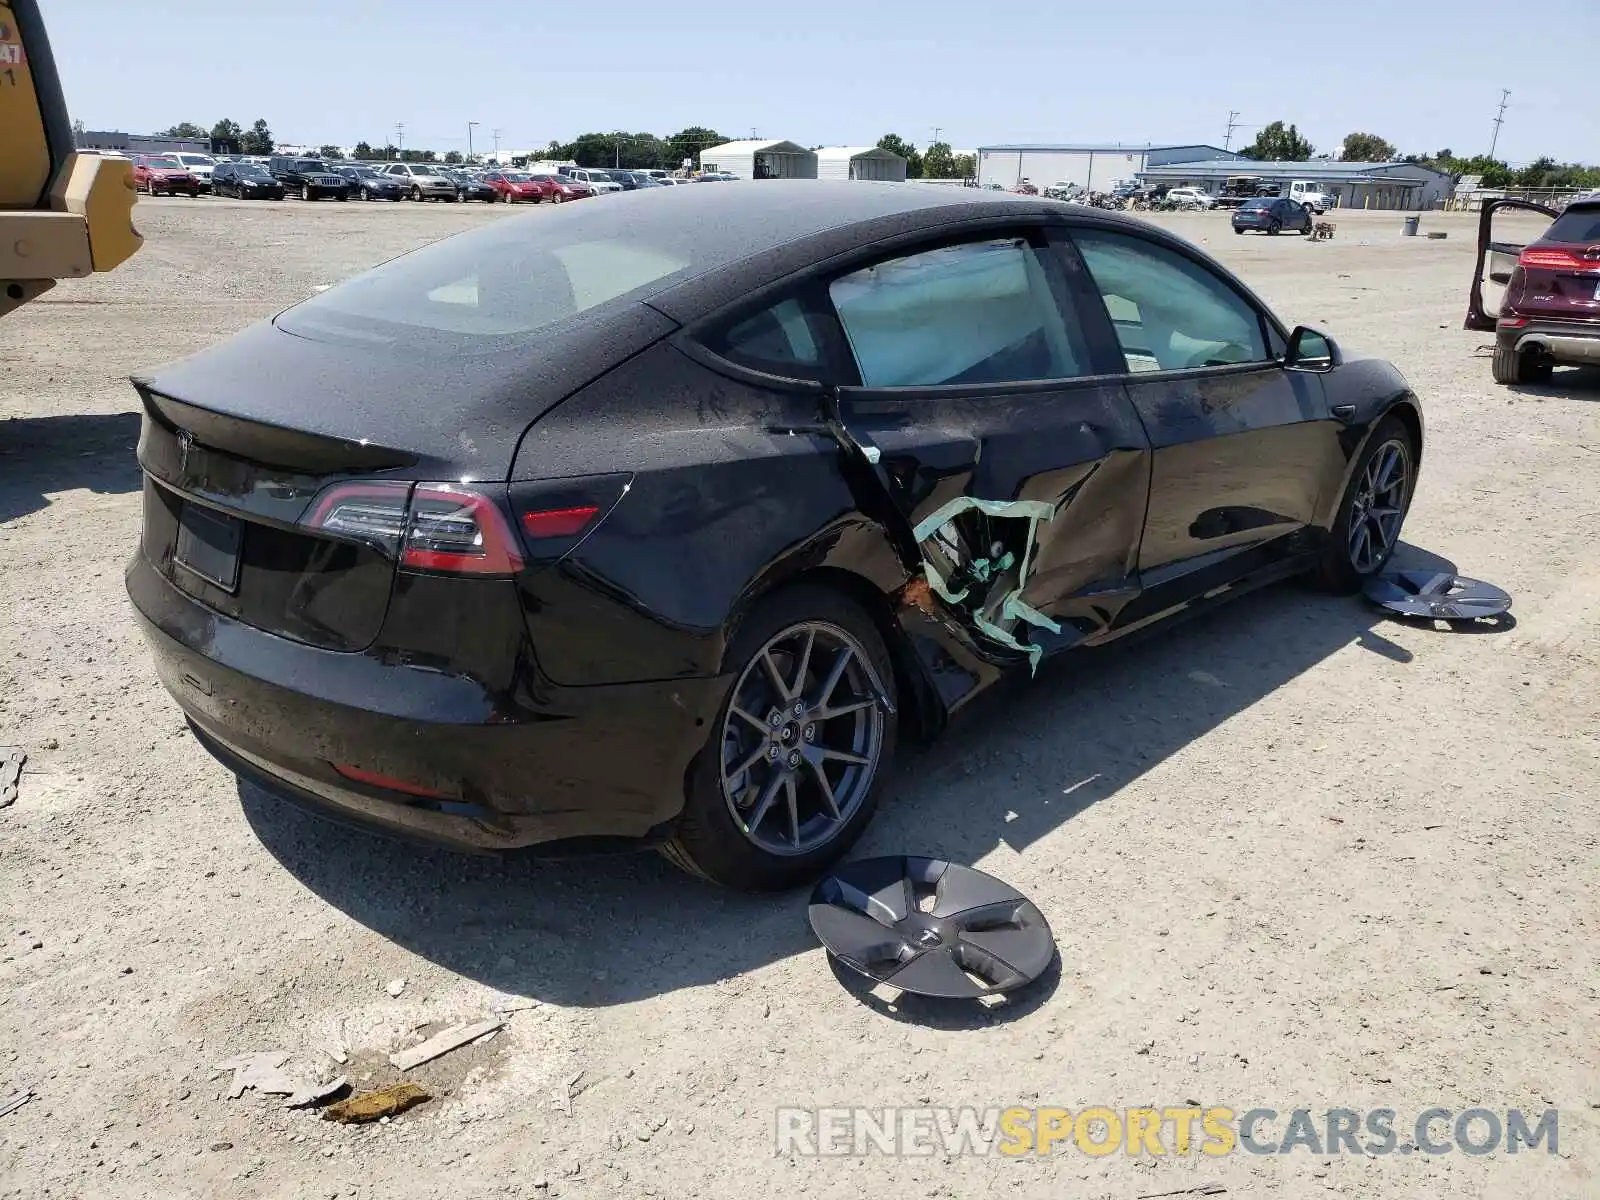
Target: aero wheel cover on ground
[[802, 739], [931, 928], [1437, 595]]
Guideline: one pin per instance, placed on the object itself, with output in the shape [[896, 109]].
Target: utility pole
[[497, 145], [1233, 123], [1499, 120], [399, 138], [471, 125], [937, 130]]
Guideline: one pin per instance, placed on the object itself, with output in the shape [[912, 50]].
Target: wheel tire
[[1510, 366], [707, 842], [1335, 572], [1240, 232], [416, 194], [305, 191], [1274, 226], [556, 197], [366, 193]]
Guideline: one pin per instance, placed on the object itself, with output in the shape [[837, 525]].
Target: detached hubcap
[[1379, 506], [802, 739]]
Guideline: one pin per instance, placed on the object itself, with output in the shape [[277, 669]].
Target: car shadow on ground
[[609, 930], [41, 455], [1579, 383]]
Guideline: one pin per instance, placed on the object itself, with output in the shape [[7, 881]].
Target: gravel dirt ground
[[1294, 854]]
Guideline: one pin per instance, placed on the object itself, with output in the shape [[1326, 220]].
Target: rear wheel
[[1513, 366], [1373, 509], [1274, 226], [788, 779]]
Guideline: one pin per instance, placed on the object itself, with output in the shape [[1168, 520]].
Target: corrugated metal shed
[[1095, 166], [761, 160], [860, 162]]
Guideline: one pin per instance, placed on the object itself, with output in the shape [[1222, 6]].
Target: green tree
[[330, 151], [389, 152], [257, 139], [939, 162], [226, 131], [452, 157], [1366, 147], [966, 166], [362, 150], [1277, 143], [185, 129], [687, 143], [895, 144]]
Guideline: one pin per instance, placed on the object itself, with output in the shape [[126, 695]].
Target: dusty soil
[[1294, 854]]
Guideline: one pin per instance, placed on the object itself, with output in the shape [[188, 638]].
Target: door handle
[[1345, 412]]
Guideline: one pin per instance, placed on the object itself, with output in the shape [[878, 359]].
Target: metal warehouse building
[[761, 160], [860, 162], [1093, 167], [1395, 185]]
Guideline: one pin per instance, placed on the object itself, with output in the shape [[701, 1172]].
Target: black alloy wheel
[[788, 778], [1374, 507]]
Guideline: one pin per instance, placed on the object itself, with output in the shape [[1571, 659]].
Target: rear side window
[[978, 312], [1575, 225], [781, 340], [1170, 313]]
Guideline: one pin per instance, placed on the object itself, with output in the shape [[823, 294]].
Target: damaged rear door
[[1019, 477]]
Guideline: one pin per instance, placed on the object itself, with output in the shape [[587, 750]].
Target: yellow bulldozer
[[63, 215]]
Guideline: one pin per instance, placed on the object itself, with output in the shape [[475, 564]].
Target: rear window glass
[[505, 280], [1576, 225]]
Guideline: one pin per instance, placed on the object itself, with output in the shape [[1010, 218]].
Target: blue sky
[[1425, 73]]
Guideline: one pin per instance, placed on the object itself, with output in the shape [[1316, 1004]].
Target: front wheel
[[556, 197], [416, 195], [1374, 507], [788, 778], [305, 191], [366, 193]]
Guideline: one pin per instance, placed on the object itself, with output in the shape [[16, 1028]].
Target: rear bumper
[[530, 765], [1575, 342]]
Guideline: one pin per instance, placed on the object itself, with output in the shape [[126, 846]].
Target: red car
[[1549, 313], [557, 188], [163, 175], [512, 186]]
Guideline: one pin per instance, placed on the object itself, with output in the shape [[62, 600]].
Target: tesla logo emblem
[[185, 442]]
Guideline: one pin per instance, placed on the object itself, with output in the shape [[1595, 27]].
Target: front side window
[[1170, 313], [977, 312]]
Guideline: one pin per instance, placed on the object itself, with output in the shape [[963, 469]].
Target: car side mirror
[[1310, 350]]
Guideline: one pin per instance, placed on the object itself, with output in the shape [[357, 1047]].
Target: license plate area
[[208, 546]]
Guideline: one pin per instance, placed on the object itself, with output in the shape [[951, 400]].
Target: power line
[[1499, 120]]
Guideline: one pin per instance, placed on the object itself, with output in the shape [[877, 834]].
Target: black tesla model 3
[[660, 520]]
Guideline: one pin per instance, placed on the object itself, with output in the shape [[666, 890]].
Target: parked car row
[[313, 178]]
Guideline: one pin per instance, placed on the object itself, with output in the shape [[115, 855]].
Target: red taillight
[[373, 779], [429, 527], [558, 522], [1512, 322], [1556, 258], [459, 531]]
